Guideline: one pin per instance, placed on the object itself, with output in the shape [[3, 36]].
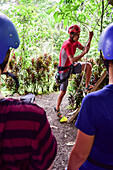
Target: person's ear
[[0, 72], [103, 58]]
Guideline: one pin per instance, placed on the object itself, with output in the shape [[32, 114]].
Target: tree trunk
[[101, 27]]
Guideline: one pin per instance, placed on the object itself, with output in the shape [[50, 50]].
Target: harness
[[60, 68]]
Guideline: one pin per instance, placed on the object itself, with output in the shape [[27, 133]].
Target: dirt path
[[64, 133]]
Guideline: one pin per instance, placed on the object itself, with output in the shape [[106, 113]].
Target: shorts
[[76, 69]]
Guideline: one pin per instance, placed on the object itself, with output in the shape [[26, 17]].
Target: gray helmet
[[8, 36]]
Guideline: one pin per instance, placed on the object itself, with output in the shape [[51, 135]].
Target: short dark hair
[[2, 66]]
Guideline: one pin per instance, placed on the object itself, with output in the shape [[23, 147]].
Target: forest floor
[[65, 133]]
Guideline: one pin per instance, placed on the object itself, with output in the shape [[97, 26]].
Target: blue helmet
[[106, 42], [8, 36]]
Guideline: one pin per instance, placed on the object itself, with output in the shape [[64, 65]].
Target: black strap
[[73, 35], [60, 68], [13, 76], [101, 165], [71, 67]]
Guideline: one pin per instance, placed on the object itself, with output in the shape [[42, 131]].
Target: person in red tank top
[[66, 59]]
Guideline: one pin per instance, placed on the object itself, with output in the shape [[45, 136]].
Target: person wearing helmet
[[26, 139], [66, 61], [93, 148]]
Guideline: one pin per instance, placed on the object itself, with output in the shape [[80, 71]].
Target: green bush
[[36, 76]]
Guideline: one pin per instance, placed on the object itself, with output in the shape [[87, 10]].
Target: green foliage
[[37, 38], [40, 35], [86, 14]]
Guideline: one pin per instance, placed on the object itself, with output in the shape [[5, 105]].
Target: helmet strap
[[14, 77], [106, 63], [73, 35], [3, 65], [1, 96]]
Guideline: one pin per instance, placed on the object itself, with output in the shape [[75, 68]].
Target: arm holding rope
[[77, 58], [87, 47], [85, 50], [90, 38]]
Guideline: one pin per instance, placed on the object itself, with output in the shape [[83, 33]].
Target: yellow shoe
[[63, 119]]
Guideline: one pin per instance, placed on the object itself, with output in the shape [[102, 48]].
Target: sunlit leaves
[[61, 1], [39, 33], [81, 17], [52, 8], [56, 15], [79, 10]]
